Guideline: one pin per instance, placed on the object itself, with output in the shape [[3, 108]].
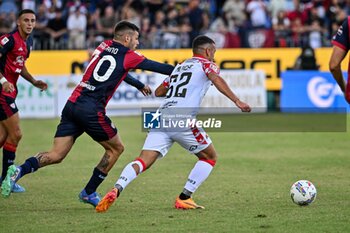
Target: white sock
[[198, 175], [128, 174]]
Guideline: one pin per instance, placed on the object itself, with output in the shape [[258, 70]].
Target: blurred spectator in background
[[8, 6], [76, 26], [132, 12], [174, 23], [57, 29], [306, 60], [157, 30], [5, 23], [195, 17], [153, 6], [257, 13], [41, 37], [276, 6], [281, 27], [171, 38], [145, 33], [29, 4], [105, 24], [235, 10]]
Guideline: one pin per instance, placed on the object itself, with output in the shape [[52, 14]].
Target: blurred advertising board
[[311, 91]]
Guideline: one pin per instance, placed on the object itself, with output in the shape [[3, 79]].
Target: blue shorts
[[77, 119], [8, 107]]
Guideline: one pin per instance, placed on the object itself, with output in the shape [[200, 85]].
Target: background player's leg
[[14, 135], [3, 136], [61, 147]]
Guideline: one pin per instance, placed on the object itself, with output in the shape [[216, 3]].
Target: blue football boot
[[92, 199]]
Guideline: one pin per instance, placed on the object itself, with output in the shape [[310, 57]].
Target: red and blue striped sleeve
[[341, 38]]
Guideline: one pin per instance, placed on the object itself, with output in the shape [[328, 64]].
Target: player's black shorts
[[8, 107], [77, 119]]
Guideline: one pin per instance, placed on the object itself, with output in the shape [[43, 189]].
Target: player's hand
[[40, 84], [146, 91], [243, 106], [8, 87]]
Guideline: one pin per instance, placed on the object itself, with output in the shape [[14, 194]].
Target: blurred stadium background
[[275, 37], [265, 52]]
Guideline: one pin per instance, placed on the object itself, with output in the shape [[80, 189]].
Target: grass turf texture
[[248, 190]]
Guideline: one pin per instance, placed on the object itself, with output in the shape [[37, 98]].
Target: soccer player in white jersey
[[185, 88]]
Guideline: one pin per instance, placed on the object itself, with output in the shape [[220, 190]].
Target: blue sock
[[95, 180], [8, 158], [29, 166]]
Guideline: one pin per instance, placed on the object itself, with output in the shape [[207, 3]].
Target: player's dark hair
[[25, 11], [200, 41], [123, 26]]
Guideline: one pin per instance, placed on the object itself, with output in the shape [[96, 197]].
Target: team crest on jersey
[[19, 60], [4, 40], [20, 49]]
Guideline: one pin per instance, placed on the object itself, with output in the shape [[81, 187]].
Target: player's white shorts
[[193, 140]]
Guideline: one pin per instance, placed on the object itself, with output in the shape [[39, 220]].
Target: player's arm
[[37, 83], [222, 86], [155, 67], [161, 91], [338, 55], [6, 45], [144, 89]]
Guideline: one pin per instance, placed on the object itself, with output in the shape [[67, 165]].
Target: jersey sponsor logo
[[19, 61], [87, 86], [4, 40], [13, 105], [18, 70]]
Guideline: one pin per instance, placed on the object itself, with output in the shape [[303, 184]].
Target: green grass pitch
[[248, 190]]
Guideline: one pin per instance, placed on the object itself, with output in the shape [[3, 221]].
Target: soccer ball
[[303, 192]]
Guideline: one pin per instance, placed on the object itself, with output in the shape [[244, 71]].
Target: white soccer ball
[[303, 192]]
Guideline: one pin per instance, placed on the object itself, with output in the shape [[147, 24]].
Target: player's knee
[[213, 156], [119, 148], [15, 136]]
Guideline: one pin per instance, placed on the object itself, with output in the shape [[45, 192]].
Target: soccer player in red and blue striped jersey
[[85, 109], [14, 51]]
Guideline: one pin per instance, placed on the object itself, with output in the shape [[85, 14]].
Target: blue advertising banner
[[311, 91]]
